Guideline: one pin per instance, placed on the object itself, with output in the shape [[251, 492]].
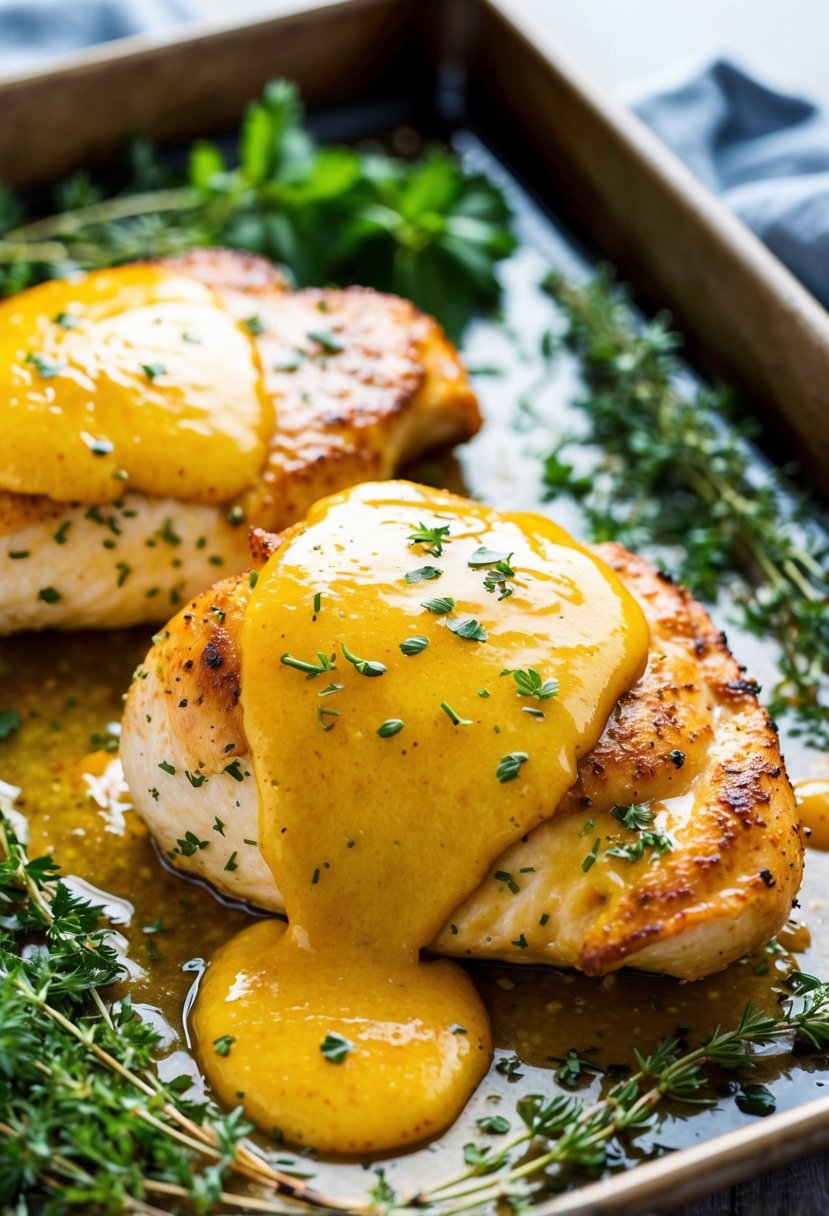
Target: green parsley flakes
[[509, 766], [335, 1048]]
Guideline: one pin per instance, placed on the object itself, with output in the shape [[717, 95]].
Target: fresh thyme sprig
[[85, 1120], [426, 228], [675, 467]]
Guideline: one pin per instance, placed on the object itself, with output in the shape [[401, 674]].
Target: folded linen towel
[[766, 153]]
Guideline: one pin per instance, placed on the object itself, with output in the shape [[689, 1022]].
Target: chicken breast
[[361, 383], [706, 871]]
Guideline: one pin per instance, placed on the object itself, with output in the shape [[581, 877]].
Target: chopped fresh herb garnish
[[253, 578], [235, 515], [10, 721], [456, 1028], [66, 320], [756, 1100], [532, 710], [432, 539], [509, 766], [328, 341], [439, 606], [520, 942], [317, 602], [366, 667], [335, 1048], [18, 554], [634, 817], [324, 715], [98, 447], [423, 574], [289, 364], [190, 844], [218, 825], [167, 533], [45, 367], [506, 877], [48, 595], [329, 689], [153, 370], [312, 670], [657, 842], [487, 557], [591, 857], [390, 728], [166, 767], [454, 718], [315, 877], [124, 571], [230, 865], [530, 683], [414, 645], [223, 1045], [497, 1125], [484, 693], [219, 613], [543, 918], [195, 779], [509, 1067], [254, 325], [59, 536], [234, 770], [468, 628]]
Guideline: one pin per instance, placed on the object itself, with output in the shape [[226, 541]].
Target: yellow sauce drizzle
[[813, 807], [129, 378], [375, 839]]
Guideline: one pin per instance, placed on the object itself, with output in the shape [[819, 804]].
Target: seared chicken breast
[[360, 382], [688, 757]]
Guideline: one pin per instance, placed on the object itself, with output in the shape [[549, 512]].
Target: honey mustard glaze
[[394, 762], [128, 378], [813, 807]]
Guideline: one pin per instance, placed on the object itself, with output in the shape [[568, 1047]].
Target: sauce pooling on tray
[[134, 378], [395, 759]]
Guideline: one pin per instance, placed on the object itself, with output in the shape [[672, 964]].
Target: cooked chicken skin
[[383, 386], [689, 743]]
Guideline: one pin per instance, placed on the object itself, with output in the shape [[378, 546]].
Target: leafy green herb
[[509, 766], [423, 574], [439, 606], [487, 557], [530, 683], [312, 670], [323, 715], [44, 366], [234, 770], [59, 536], [254, 325], [49, 595], [196, 779], [432, 539], [230, 865], [590, 859], [505, 877], [390, 728], [366, 667], [335, 1048], [330, 689], [190, 844], [678, 472], [317, 602], [454, 718], [222, 1045], [496, 1125], [657, 842], [426, 229], [756, 1100], [496, 578], [634, 817], [414, 645], [166, 767], [468, 628], [153, 370], [328, 341], [10, 721], [66, 320]]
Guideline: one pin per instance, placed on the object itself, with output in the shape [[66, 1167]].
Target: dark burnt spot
[[665, 576], [229, 747], [183, 703], [211, 656], [585, 801], [188, 665]]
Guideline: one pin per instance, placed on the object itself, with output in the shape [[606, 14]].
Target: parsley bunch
[[675, 467], [426, 229]]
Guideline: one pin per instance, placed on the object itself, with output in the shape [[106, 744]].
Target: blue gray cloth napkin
[[32, 30], [764, 152]]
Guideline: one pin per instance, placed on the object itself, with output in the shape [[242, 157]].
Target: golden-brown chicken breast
[[677, 850], [359, 382]]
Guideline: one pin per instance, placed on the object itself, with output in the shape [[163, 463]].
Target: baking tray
[[484, 65]]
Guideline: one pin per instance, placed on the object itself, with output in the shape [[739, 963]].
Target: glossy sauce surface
[[376, 834], [813, 805], [128, 378]]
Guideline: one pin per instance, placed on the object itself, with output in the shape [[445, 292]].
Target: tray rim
[[728, 1157]]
